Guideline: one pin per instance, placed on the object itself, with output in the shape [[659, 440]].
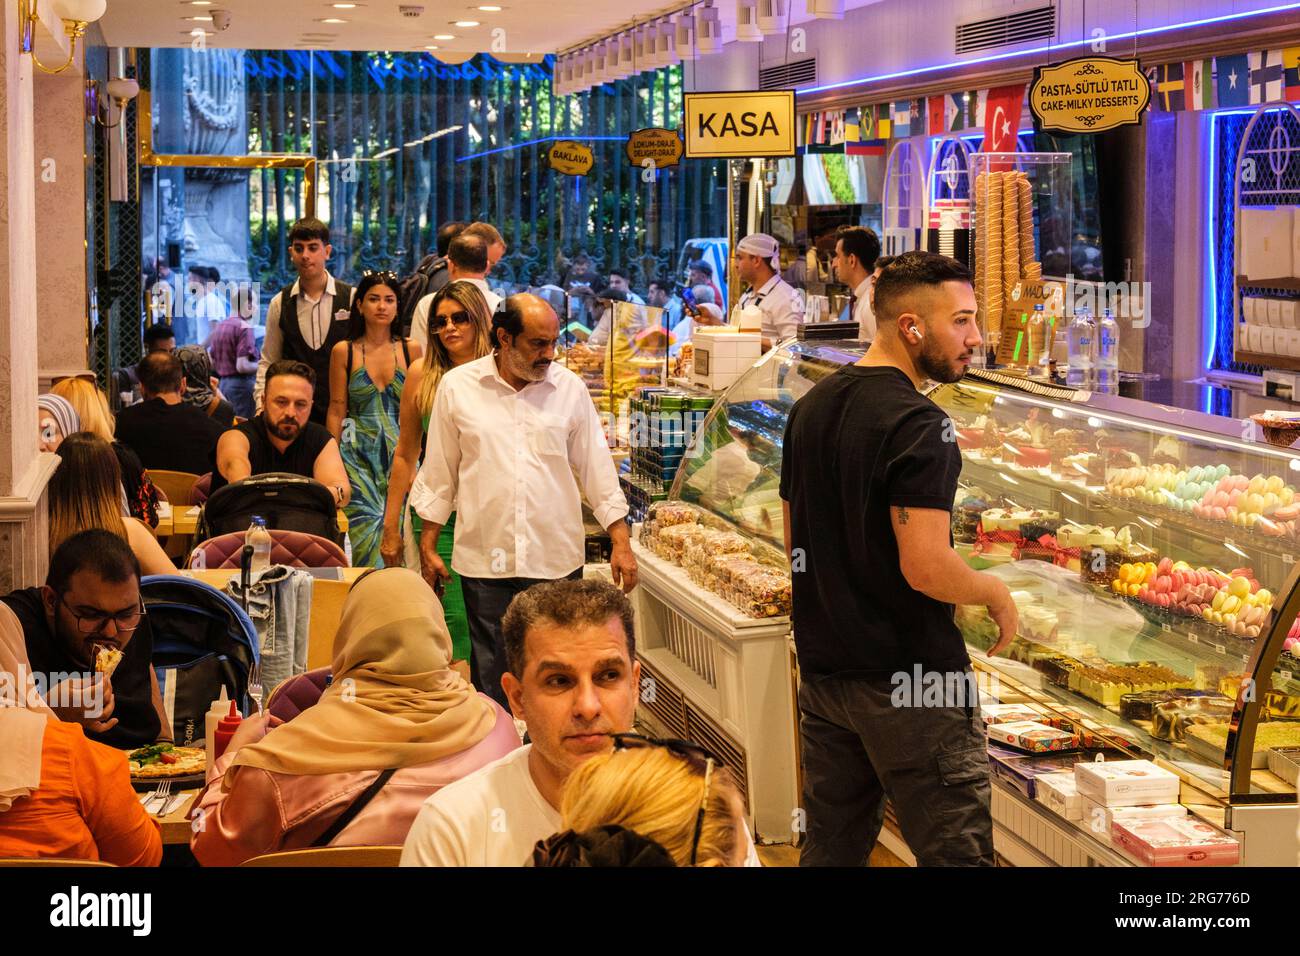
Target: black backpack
[[416, 286], [287, 502], [202, 641]]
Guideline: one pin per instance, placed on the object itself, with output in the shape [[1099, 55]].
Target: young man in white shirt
[[320, 303], [514, 443], [467, 261], [757, 258], [856, 252], [574, 680]]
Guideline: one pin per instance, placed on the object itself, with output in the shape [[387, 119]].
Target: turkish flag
[[936, 114], [1002, 118]]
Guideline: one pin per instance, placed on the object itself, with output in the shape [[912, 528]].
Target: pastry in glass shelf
[[1039, 623], [1167, 452], [1170, 719], [966, 514], [1039, 539], [1031, 736], [1083, 467]]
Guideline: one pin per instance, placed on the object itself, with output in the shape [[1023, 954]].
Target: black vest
[[295, 346]]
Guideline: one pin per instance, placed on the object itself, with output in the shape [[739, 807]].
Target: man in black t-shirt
[[281, 437], [163, 430], [91, 600], [888, 704]]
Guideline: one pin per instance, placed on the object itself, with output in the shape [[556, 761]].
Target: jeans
[[279, 603], [931, 762], [238, 390], [486, 600]]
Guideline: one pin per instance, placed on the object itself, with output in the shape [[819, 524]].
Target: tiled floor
[[782, 854]]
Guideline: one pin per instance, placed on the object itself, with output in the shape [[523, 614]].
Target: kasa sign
[[742, 125]]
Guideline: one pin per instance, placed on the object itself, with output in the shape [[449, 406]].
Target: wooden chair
[[331, 856], [52, 861], [178, 488]]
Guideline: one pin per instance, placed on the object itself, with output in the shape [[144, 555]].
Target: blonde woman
[[91, 405], [670, 792], [459, 325], [85, 493]]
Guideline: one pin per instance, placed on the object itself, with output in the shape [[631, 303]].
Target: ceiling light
[[200, 3], [431, 47], [200, 19], [465, 23], [344, 6], [331, 20], [443, 36], [490, 9]]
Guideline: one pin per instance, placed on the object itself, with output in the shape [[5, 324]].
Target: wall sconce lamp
[[121, 91], [76, 16]]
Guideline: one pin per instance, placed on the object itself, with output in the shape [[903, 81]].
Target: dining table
[[184, 519]]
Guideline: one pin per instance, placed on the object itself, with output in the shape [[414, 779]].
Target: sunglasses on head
[[387, 275], [687, 750]]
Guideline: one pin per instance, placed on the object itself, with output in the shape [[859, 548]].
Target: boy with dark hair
[[91, 603], [305, 320], [868, 475], [159, 337]]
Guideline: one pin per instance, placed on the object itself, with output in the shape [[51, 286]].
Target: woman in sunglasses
[[367, 377], [670, 792], [458, 324]]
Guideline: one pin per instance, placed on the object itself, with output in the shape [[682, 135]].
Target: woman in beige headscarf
[[395, 705], [61, 795]]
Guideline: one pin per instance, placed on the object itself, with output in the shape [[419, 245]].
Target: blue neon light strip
[[1054, 48], [1210, 318], [544, 139]]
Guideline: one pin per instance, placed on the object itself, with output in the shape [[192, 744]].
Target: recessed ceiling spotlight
[[331, 20], [490, 9], [431, 47], [200, 19], [443, 36], [344, 6], [465, 23], [200, 3]]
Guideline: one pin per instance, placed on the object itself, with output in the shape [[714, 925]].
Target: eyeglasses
[[687, 750], [440, 322], [126, 621]]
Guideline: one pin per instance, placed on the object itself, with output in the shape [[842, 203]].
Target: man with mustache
[[514, 443], [868, 473], [282, 438]]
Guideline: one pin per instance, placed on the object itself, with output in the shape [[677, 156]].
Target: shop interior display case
[[1150, 551]]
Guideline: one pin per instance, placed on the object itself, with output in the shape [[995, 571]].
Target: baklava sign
[[740, 125], [570, 159], [1089, 95]]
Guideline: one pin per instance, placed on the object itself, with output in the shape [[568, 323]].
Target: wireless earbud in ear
[[915, 331]]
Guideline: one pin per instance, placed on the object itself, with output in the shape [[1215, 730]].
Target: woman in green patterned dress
[[367, 374], [458, 333]]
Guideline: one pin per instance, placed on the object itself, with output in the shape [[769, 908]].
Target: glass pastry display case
[[624, 346], [1150, 551]]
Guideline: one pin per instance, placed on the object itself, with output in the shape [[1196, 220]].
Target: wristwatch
[[338, 494]]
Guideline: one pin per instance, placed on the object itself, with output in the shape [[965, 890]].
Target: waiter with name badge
[[758, 257]]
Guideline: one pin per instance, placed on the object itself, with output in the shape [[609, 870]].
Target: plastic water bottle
[[260, 539], [1082, 340], [1108, 352]]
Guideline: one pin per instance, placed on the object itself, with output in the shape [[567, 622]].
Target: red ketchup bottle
[[226, 728]]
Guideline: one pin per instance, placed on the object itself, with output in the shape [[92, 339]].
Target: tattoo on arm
[[902, 516]]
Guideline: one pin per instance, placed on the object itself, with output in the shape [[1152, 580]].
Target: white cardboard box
[[1098, 820], [1058, 792], [1275, 313], [1248, 307], [1249, 338], [1266, 341], [1125, 783], [1266, 240], [1289, 311]]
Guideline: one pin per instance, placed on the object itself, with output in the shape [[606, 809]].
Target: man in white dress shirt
[[467, 261], [514, 443], [758, 256], [856, 251]]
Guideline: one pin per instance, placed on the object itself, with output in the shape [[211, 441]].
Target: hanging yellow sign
[[570, 158], [743, 125], [662, 146], [1089, 95]]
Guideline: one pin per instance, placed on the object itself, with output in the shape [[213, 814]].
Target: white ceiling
[[531, 26]]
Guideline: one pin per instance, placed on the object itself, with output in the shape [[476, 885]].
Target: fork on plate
[[255, 685]]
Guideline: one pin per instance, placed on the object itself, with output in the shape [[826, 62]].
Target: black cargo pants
[[860, 745]]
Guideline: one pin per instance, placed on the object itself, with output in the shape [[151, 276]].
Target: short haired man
[[496, 243], [700, 272], [446, 233], [467, 260], [856, 251], [159, 337], [282, 437], [882, 263], [91, 601], [618, 279], [165, 431], [573, 679], [320, 303], [868, 475], [758, 256], [234, 352], [514, 443], [659, 295], [203, 307]]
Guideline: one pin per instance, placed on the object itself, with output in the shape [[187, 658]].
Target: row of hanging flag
[[866, 130], [1244, 79]]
